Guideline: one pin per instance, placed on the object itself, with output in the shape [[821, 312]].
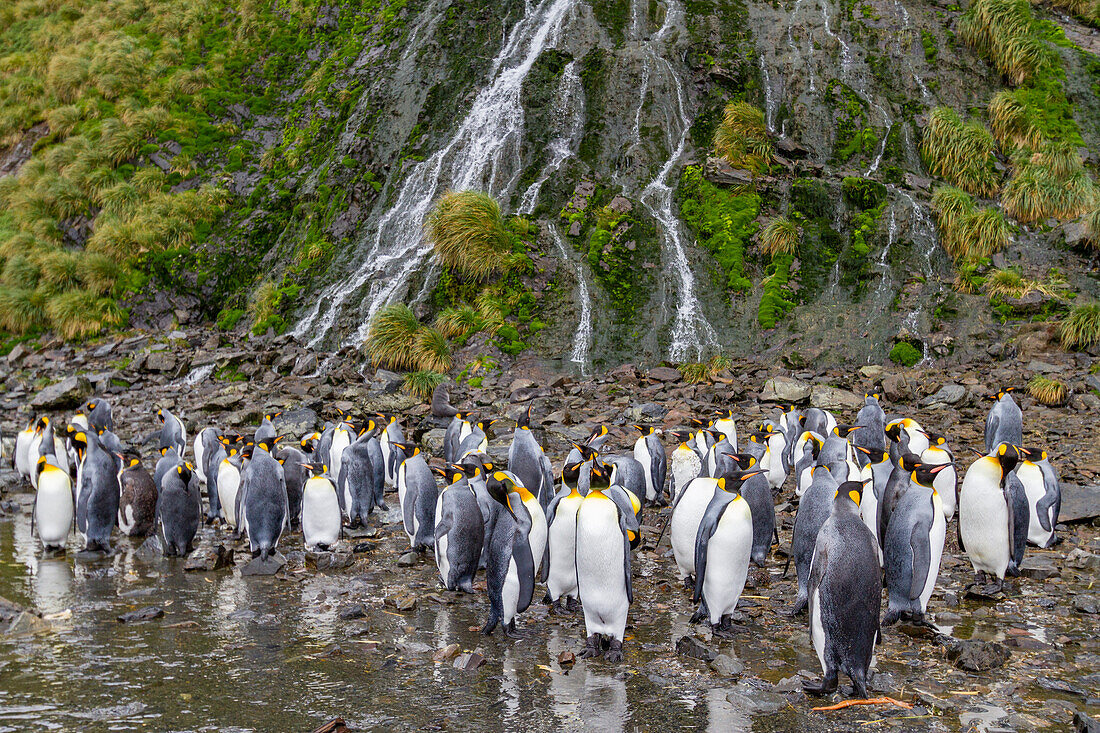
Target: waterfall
[[480, 154], [568, 116], [691, 333], [769, 97], [582, 339]]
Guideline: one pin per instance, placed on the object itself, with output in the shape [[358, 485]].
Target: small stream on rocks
[[287, 653]]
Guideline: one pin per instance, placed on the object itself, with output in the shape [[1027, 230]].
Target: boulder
[[210, 558], [296, 423], [469, 661], [896, 388], [690, 646], [948, 394], [161, 361], [665, 374], [69, 392], [727, 666], [141, 615], [785, 389], [305, 364], [832, 398], [1079, 503], [1076, 232], [259, 566]]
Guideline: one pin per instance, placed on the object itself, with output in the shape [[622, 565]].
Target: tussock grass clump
[[699, 372], [264, 301], [1013, 122], [1092, 225], [742, 137], [81, 313], [459, 322], [431, 350], [20, 271], [780, 237], [22, 310], [392, 337], [961, 153], [421, 384], [1050, 392], [1047, 184], [1081, 328], [968, 232], [468, 233], [1003, 32]]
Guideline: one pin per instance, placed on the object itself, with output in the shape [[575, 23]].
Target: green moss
[[810, 197], [613, 15], [774, 302], [854, 136], [228, 318], [930, 49], [905, 354], [862, 193], [722, 220]]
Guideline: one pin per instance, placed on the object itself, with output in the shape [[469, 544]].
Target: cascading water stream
[[481, 154], [691, 332], [582, 339], [770, 103]]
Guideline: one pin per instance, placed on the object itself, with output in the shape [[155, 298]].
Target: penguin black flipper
[[341, 481], [525, 569], [922, 550], [707, 526], [1020, 517], [991, 423], [628, 523], [442, 527], [1010, 503]]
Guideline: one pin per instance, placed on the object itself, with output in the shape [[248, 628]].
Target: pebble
[[140, 615]]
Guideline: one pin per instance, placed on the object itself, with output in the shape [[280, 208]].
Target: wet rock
[[896, 388], [141, 615], [788, 684], [872, 371], [332, 560], [259, 566], [349, 613], [469, 661], [402, 601], [1049, 683], [151, 549], [665, 374], [719, 171], [690, 646], [727, 666], [1081, 559], [296, 422], [974, 656], [1079, 503], [69, 392], [948, 394], [567, 659], [336, 725], [1086, 604], [750, 695], [448, 652], [160, 361], [1039, 567], [305, 364], [409, 559], [210, 558], [785, 389], [1084, 724], [831, 398], [27, 623]]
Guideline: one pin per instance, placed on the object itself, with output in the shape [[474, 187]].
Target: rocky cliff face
[[587, 118]]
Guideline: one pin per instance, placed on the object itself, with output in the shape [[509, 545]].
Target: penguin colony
[[875, 500]]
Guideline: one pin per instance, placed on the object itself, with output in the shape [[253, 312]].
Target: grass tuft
[[421, 384], [780, 237], [1081, 328], [468, 233], [78, 314], [699, 372], [962, 153], [459, 322], [392, 338], [431, 350], [1050, 392], [742, 137], [22, 310]]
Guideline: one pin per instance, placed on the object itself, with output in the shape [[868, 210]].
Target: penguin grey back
[[265, 505], [1004, 424], [178, 509], [813, 510], [99, 414], [97, 505], [295, 475]]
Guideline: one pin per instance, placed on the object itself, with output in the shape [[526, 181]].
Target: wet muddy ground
[[369, 643]]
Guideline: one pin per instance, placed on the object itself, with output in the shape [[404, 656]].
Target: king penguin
[[459, 531], [137, 503], [813, 511], [684, 465], [559, 572], [649, 452], [986, 508], [97, 498], [99, 414], [1004, 423], [173, 434], [357, 490], [690, 506], [528, 462], [946, 481], [21, 456], [457, 429], [1044, 496], [178, 508], [391, 434], [264, 505], [845, 595], [229, 479], [913, 547], [321, 520], [510, 565], [604, 526], [417, 491], [53, 506], [723, 547]]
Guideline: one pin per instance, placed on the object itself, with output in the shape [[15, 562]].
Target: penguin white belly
[[61, 454], [229, 481], [340, 441], [685, 467], [536, 537], [944, 484], [1032, 478], [728, 560], [22, 453], [408, 515], [562, 578], [442, 561], [684, 525], [600, 565], [776, 474], [320, 514], [868, 511], [33, 454], [805, 478], [937, 534], [126, 519], [509, 594], [983, 525], [728, 428], [199, 462], [641, 455], [53, 511], [817, 628]]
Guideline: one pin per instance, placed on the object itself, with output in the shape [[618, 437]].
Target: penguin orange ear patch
[[855, 496]]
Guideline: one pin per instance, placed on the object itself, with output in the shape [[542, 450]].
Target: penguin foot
[[487, 629], [798, 607], [890, 617], [511, 632], [826, 686], [698, 616], [573, 604], [591, 647], [689, 582], [614, 651], [558, 608]]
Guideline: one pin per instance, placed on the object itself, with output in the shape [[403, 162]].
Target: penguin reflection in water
[[606, 525], [845, 595]]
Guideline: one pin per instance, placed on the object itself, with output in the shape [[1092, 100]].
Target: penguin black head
[[1005, 392], [164, 450], [131, 459], [717, 435], [893, 431], [498, 485], [644, 429], [598, 432], [308, 442], [451, 473], [1033, 454], [733, 483], [272, 415], [851, 490], [682, 435], [90, 405], [872, 398], [724, 414], [924, 474], [524, 421], [1008, 456], [247, 451], [470, 466], [571, 473], [41, 424], [844, 431], [184, 470], [40, 466], [934, 438], [408, 449], [910, 462], [814, 442], [587, 451], [600, 477], [268, 444]]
